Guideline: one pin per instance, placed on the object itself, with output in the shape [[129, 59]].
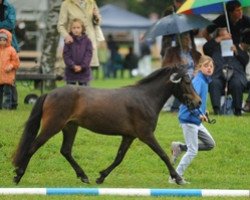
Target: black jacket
[[237, 62]]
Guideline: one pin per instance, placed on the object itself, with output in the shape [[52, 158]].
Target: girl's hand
[[8, 69], [77, 68], [203, 118], [68, 39]]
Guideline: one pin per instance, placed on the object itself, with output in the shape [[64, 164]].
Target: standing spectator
[[182, 54], [103, 55], [117, 62], [238, 81], [245, 45], [9, 62], [8, 22], [237, 22], [191, 121], [144, 65], [130, 61], [112, 46], [169, 40], [88, 12], [77, 55], [21, 34]]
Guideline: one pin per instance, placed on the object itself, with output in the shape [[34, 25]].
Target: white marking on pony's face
[[173, 80]]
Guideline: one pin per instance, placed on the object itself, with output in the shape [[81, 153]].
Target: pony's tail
[[30, 131]]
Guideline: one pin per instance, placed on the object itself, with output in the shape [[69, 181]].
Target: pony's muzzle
[[192, 103]]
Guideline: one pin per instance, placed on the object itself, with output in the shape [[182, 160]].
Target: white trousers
[[192, 134]]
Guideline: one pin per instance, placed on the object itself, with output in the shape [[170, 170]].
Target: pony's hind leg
[[124, 146], [40, 140], [155, 146], [69, 133]]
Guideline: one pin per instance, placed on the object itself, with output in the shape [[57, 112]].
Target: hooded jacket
[[78, 53], [9, 61], [9, 22]]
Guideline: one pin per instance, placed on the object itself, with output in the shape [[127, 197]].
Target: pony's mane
[[162, 71]]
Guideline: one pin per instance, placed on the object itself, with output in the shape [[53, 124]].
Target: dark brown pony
[[131, 112]]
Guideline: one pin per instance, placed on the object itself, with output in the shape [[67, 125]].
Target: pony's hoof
[[16, 179], [99, 180], [85, 180], [19, 174], [179, 180]]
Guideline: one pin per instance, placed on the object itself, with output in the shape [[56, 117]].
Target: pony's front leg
[[124, 146], [155, 146], [69, 133]]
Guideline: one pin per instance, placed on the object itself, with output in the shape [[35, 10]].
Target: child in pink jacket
[[9, 63]]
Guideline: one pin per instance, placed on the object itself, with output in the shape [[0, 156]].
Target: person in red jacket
[[9, 62]]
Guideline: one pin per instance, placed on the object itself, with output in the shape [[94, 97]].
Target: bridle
[[210, 121]]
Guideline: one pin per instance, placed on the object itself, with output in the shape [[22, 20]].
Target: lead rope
[[210, 121]]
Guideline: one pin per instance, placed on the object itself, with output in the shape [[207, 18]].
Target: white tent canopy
[[117, 19]]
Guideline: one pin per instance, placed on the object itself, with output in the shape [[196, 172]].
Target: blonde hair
[[203, 59], [80, 22]]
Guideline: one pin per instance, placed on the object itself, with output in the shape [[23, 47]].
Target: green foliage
[[151, 5], [225, 167], [138, 6]]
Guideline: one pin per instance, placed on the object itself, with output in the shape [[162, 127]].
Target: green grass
[[225, 167]]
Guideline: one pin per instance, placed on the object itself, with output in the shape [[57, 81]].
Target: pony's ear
[[175, 78]]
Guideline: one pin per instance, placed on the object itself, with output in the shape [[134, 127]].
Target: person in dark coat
[[171, 40], [145, 61], [130, 61], [112, 47], [237, 62], [77, 55], [245, 44], [237, 22]]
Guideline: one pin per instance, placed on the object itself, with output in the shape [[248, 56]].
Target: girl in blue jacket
[[191, 120]]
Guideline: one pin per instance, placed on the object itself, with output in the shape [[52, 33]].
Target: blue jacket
[[200, 83], [9, 22]]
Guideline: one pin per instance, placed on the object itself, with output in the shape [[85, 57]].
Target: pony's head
[[183, 89]]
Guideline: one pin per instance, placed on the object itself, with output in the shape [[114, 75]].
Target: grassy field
[[225, 167]]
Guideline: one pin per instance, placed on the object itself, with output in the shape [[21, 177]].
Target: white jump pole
[[126, 192]]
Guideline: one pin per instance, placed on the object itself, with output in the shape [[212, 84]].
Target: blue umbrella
[[176, 24]]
